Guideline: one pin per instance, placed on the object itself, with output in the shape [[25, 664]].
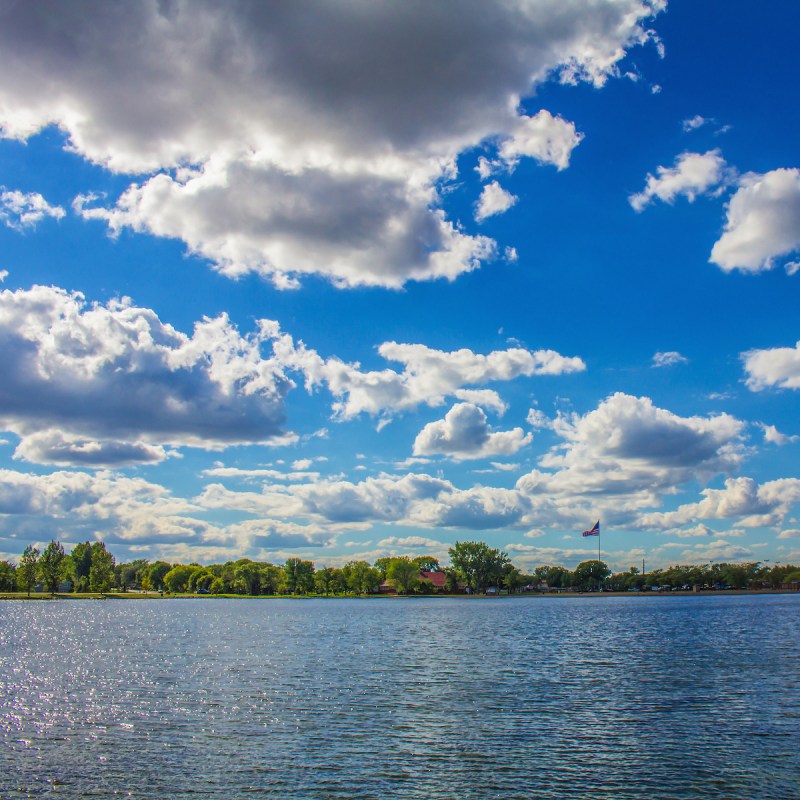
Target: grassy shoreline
[[136, 595]]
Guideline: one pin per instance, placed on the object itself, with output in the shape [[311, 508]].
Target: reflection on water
[[665, 697]]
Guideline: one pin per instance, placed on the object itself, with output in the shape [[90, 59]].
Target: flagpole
[[599, 579]]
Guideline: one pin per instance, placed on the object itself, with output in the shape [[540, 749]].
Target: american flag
[[594, 530]]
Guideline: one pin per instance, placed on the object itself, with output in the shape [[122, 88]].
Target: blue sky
[[350, 280]]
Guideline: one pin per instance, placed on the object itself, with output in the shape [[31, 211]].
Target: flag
[[594, 530]]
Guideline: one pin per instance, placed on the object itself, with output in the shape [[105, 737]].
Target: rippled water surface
[[662, 697]]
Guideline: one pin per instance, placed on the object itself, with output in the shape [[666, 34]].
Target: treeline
[[474, 567]]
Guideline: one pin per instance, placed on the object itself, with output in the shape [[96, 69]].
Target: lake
[[594, 698]]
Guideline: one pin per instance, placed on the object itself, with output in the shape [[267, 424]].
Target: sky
[[347, 280]]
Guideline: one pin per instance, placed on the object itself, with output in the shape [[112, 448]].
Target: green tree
[[155, 574], [248, 577], [512, 578], [176, 581], [51, 564], [130, 575], [101, 573], [403, 574], [271, 577], [590, 574], [478, 565], [299, 576], [427, 563], [200, 579], [382, 564], [81, 565], [361, 578], [450, 580], [28, 569], [324, 580], [8, 576]]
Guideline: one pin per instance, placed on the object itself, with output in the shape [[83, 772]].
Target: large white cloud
[[742, 498], [109, 385], [629, 444], [773, 367], [693, 174], [465, 433], [290, 115], [428, 377], [763, 222]]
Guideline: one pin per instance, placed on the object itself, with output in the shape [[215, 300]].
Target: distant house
[[436, 578]]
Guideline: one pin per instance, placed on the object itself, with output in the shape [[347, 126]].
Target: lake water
[[587, 698]]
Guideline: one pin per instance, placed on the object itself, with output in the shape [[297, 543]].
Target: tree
[[176, 580], [81, 565], [479, 565], [270, 578], [403, 574], [130, 575], [155, 574], [512, 578], [51, 563], [324, 580], [8, 576], [298, 576], [589, 574], [101, 573], [427, 564], [361, 577], [28, 568], [248, 577]]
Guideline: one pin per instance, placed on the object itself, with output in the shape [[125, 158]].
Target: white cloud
[[538, 419], [629, 444], [494, 200], [411, 541], [777, 367], [485, 398], [20, 210], [693, 174], [112, 384], [697, 531], [464, 433], [289, 138], [763, 222], [543, 137], [669, 359], [743, 498], [790, 533], [694, 123], [429, 376], [719, 550], [773, 436]]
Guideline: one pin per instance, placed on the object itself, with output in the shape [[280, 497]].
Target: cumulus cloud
[[790, 533], [742, 498], [777, 367], [411, 541], [465, 433], [543, 137], [763, 222], [773, 436], [428, 377], [669, 359], [264, 119], [111, 384], [494, 200], [693, 174], [628, 444], [20, 210]]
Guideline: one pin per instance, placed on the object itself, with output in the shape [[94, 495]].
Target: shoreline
[[139, 595]]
